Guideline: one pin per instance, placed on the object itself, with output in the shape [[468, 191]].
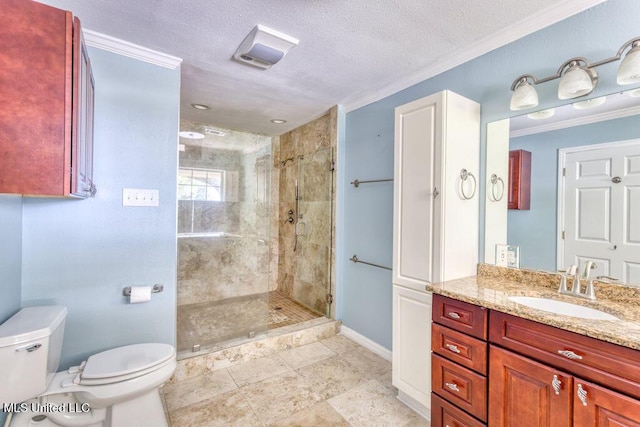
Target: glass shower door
[[312, 281]]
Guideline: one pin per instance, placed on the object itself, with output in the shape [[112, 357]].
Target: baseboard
[[366, 343], [418, 407]]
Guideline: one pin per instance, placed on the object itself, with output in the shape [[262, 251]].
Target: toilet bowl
[[114, 388]]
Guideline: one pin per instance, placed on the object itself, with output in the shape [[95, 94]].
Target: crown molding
[[125, 48], [515, 31], [579, 121]]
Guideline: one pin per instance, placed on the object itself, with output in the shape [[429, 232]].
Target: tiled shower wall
[[233, 259], [304, 274]]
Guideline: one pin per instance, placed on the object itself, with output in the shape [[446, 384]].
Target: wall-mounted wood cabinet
[[46, 120], [519, 180]]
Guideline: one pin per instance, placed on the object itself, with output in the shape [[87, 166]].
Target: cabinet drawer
[[461, 316], [463, 349], [589, 358], [460, 386], [444, 414]]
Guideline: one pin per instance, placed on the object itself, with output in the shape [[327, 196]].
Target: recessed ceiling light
[[191, 135], [200, 106], [278, 121]]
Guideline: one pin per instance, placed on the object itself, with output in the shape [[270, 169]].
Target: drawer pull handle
[[453, 315], [582, 395], [569, 354], [452, 386], [453, 348], [556, 384]]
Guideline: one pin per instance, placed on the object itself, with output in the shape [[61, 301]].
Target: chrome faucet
[[590, 292], [576, 288]]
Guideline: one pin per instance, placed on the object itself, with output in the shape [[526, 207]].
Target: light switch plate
[[140, 197]]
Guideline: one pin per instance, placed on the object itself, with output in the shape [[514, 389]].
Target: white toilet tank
[[30, 348]]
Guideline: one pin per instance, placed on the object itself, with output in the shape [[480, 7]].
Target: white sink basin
[[564, 308]]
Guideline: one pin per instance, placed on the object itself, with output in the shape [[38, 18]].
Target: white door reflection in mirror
[[599, 208]]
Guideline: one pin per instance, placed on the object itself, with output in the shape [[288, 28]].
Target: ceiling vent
[[216, 132], [264, 47]]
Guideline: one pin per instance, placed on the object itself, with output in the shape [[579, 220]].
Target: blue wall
[[535, 230], [10, 255], [81, 253], [367, 215]]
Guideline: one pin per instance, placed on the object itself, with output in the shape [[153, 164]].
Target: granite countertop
[[492, 291]]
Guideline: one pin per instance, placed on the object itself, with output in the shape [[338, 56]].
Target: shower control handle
[[290, 212], [289, 220]]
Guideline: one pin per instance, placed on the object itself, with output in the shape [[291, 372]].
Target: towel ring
[[494, 183], [464, 174]]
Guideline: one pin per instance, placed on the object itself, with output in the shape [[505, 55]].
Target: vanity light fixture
[[578, 77]]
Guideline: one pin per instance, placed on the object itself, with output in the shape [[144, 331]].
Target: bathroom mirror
[[596, 203]]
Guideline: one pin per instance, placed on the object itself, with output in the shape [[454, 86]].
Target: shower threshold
[[228, 322]]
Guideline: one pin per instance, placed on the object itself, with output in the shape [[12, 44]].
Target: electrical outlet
[[139, 197], [508, 256]]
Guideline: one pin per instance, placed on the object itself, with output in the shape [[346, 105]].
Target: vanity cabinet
[[46, 120], [544, 376], [519, 191], [459, 363], [435, 225]]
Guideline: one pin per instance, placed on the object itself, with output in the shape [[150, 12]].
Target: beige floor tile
[[371, 404], [332, 376], [280, 396], [369, 363], [187, 392], [340, 344], [306, 355], [320, 415], [229, 409], [258, 370]]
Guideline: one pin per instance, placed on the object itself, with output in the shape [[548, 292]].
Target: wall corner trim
[[125, 48], [366, 342]]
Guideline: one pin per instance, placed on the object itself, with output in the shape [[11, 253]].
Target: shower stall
[[245, 268]]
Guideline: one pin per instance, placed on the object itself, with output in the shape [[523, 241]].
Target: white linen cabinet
[[435, 235]]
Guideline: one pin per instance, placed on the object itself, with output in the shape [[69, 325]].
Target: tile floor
[[332, 382]]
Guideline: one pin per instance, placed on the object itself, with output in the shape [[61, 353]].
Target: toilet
[[114, 388]]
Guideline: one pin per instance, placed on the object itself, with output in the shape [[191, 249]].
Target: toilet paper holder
[[126, 292]]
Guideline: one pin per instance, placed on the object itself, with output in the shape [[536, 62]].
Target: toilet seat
[[124, 363]]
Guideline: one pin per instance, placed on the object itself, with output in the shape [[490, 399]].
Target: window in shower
[[201, 193], [200, 184]]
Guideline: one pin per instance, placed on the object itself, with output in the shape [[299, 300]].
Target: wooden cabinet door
[[524, 393], [411, 367], [418, 134], [35, 88], [597, 406], [519, 180]]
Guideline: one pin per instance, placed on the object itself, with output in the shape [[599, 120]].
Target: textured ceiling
[[347, 51]]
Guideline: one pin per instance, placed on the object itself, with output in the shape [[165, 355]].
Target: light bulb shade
[[629, 70], [524, 96], [576, 82]]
